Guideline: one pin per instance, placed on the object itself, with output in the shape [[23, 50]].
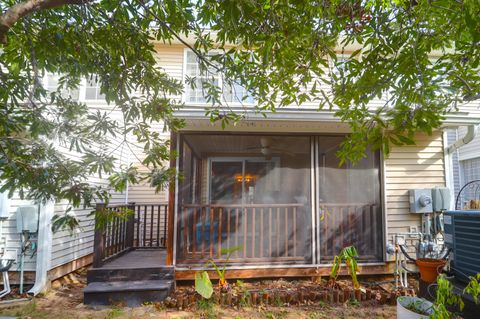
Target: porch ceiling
[[243, 144]]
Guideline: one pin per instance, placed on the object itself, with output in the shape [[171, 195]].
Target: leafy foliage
[[445, 297], [423, 56], [347, 255], [51, 144], [473, 287]]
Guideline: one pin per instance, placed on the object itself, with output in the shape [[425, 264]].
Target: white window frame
[[219, 78], [83, 93], [46, 86], [243, 160], [82, 90]]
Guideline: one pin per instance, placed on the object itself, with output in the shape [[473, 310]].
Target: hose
[[449, 250], [7, 265], [408, 270], [402, 248]]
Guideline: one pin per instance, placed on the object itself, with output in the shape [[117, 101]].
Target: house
[[269, 187]]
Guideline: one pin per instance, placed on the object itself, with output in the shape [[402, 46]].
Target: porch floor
[[138, 258]]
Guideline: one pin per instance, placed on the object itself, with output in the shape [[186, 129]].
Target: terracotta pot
[[429, 268]]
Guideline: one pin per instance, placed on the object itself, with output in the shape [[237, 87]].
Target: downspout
[[472, 131], [44, 248]]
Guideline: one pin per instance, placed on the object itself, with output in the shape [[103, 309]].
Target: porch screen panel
[[252, 195], [349, 203]]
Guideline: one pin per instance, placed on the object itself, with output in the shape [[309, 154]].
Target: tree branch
[[19, 10]]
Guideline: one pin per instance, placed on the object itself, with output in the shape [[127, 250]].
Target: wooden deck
[[137, 259]]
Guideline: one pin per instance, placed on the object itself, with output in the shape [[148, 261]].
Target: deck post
[[130, 236], [171, 201], [99, 238]]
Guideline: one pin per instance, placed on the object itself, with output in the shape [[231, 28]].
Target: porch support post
[[99, 238], [130, 225], [171, 201]]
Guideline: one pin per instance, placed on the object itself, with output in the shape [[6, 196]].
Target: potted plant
[[413, 308]]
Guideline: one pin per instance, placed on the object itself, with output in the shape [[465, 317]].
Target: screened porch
[[274, 199]]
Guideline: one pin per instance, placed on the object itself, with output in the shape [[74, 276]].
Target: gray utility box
[[441, 198], [421, 201]]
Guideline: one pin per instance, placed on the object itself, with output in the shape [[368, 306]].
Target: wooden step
[[127, 293], [116, 274]]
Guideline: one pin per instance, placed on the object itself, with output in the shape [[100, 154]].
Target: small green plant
[[417, 306], [206, 309], [275, 314], [445, 297], [203, 284], [354, 302], [347, 255], [222, 282], [114, 313], [245, 294], [277, 301], [473, 287]]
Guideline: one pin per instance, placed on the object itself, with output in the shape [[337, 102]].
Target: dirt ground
[[65, 301]]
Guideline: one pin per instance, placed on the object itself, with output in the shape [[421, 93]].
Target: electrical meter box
[[441, 199], [27, 219], [4, 205], [420, 201]]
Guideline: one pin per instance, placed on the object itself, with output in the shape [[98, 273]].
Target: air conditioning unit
[[462, 235]]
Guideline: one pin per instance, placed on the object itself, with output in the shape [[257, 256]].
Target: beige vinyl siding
[[407, 167], [143, 193], [170, 59]]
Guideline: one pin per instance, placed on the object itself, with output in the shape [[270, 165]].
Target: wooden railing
[[345, 224], [276, 232], [120, 228], [151, 225], [261, 232]]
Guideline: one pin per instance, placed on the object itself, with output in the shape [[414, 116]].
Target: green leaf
[[203, 285]]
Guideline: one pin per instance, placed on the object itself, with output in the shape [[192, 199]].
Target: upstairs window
[[92, 90], [51, 83], [232, 93]]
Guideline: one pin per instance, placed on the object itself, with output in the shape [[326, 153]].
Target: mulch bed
[[284, 293]]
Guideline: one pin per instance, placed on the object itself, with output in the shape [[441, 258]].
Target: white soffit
[[277, 126]]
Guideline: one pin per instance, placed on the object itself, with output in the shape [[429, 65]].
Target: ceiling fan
[[267, 148]]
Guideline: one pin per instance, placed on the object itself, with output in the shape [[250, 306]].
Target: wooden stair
[[128, 287]]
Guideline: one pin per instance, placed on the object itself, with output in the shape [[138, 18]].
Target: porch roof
[[308, 117]]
